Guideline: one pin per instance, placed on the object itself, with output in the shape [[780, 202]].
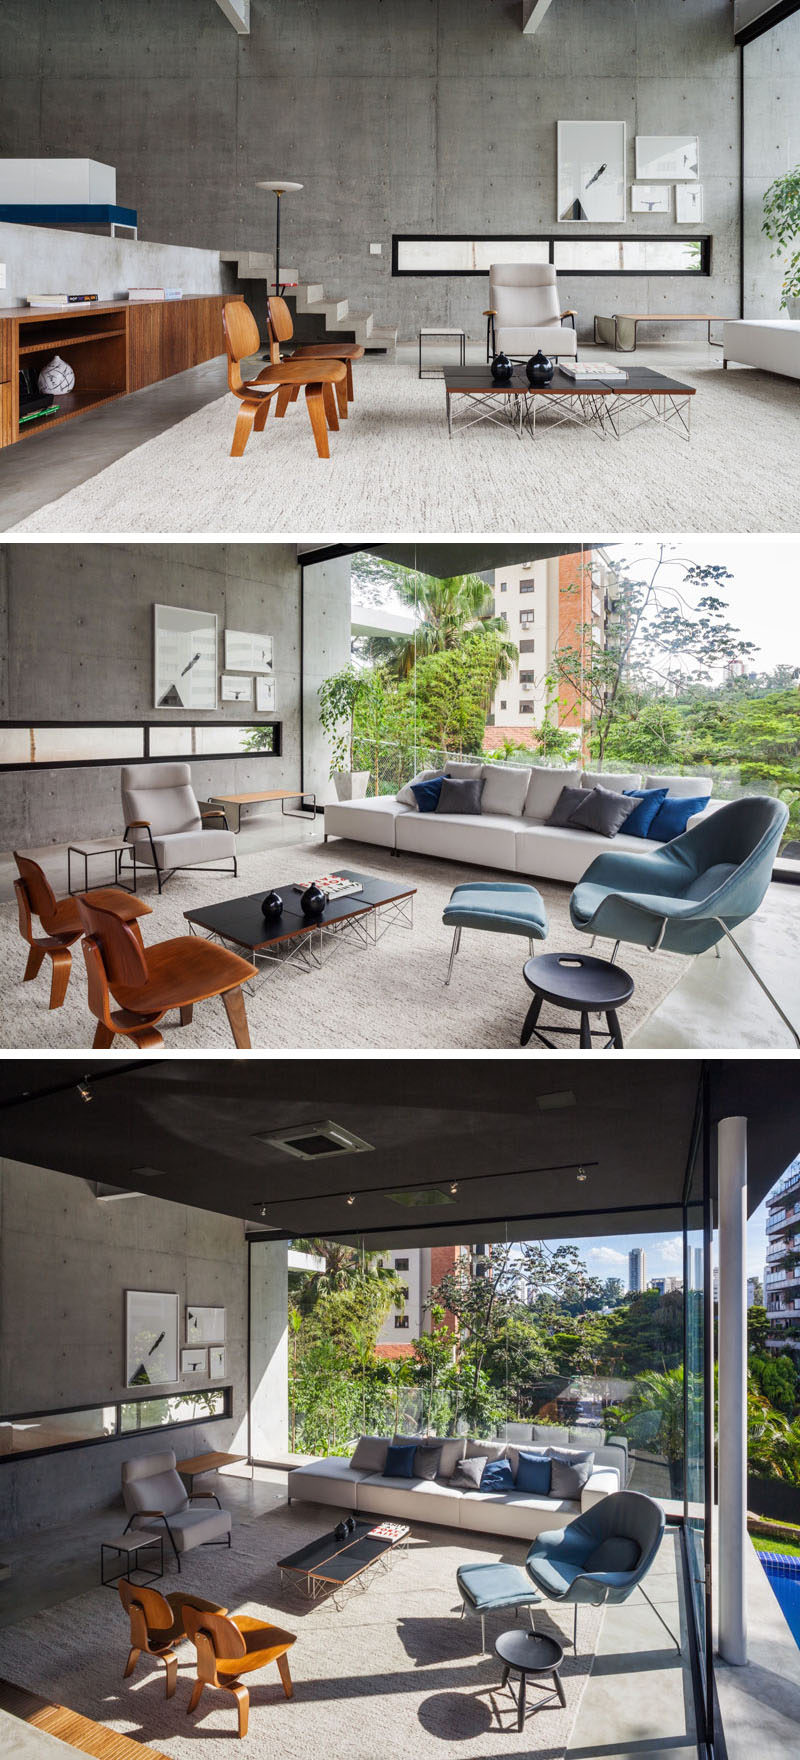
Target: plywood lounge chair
[[281, 329], [319, 377], [157, 1625], [60, 920], [228, 1648]]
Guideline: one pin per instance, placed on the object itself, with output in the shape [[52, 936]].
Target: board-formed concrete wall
[[40, 259], [432, 116], [771, 146]]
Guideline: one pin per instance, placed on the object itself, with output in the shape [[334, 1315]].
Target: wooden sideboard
[[113, 347]]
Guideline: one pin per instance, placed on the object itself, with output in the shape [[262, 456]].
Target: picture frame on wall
[[246, 652], [216, 1361], [667, 158], [184, 658], [590, 174], [265, 693], [194, 1361], [235, 690], [688, 202], [151, 1337], [205, 1325], [650, 198]]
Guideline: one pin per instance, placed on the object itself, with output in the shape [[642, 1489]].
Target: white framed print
[[184, 658], [591, 171], [235, 690], [667, 158], [650, 198], [194, 1361], [205, 1325], [688, 202], [265, 693], [216, 1361], [245, 652], [151, 1337]]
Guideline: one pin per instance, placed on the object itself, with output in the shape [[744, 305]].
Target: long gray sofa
[[510, 833], [519, 1514]]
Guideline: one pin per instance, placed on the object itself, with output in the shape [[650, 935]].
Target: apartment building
[[546, 603]]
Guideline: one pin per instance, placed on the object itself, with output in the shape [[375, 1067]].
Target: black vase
[[271, 907], [502, 368], [341, 1530], [313, 900], [540, 368]]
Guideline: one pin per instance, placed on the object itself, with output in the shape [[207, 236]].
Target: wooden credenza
[[113, 347]]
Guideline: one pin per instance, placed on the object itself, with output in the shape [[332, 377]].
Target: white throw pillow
[[405, 795], [462, 772], [682, 787], [605, 779], [544, 789], [504, 789]]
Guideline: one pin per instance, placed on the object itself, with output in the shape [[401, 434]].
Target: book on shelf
[[335, 885], [139, 293], [82, 299], [173, 293], [49, 301]]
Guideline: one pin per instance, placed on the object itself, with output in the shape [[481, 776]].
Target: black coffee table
[[601, 404], [364, 916], [529, 1654], [581, 983], [330, 1565]]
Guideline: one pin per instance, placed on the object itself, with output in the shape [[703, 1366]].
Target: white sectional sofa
[[770, 343], [514, 838], [519, 1514]]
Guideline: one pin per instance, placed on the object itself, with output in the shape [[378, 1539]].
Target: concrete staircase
[[310, 302]]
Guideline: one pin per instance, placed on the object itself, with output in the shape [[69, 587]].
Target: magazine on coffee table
[[578, 370], [393, 1531], [334, 884]]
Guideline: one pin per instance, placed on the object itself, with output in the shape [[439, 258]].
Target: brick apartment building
[[545, 603]]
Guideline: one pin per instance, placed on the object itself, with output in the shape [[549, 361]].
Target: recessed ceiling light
[[555, 1102]]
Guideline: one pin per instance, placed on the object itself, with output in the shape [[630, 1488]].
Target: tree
[[776, 1378], [757, 1328], [340, 696], [446, 611], [343, 1266], [781, 224], [613, 1292]]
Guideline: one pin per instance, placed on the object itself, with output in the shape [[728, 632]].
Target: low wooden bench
[[270, 794], [611, 332], [70, 1727]]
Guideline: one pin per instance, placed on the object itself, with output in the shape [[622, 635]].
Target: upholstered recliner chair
[[525, 314], [167, 827], [155, 1498]]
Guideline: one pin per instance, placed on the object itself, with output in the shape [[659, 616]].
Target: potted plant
[[338, 698], [782, 224]]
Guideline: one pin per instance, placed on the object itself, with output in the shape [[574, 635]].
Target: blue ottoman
[[509, 907], [488, 1587]]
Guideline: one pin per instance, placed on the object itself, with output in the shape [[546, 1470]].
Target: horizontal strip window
[[571, 254], [34, 1433], [59, 746]]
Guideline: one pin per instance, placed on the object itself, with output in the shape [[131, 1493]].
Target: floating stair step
[[313, 293], [381, 336]]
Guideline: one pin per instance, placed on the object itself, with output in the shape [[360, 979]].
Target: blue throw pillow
[[533, 1473], [400, 1460], [426, 794], [673, 815], [639, 821], [497, 1476]]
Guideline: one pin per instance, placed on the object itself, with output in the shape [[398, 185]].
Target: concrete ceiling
[[489, 1124], [473, 556]]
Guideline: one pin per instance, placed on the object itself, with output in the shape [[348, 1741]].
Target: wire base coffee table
[[336, 1566], [361, 918], [609, 407]]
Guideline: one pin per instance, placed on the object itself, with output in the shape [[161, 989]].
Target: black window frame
[[117, 1434], [145, 756], [551, 239]]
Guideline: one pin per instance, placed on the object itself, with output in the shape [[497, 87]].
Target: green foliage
[[776, 1378], [781, 224], [757, 1327], [341, 697]]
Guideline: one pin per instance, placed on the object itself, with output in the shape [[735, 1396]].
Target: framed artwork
[[667, 158], [688, 201], [184, 658], [151, 1337], [205, 1325], [236, 690], [265, 693], [216, 1361], [591, 171], [193, 1361], [247, 653], [650, 198]]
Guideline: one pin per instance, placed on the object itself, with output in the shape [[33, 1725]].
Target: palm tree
[[343, 1266], [447, 610]]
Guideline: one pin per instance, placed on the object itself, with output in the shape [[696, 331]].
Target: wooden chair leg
[[349, 366], [34, 964], [62, 966], [242, 431], [295, 394], [186, 1014], [261, 416], [283, 1666], [103, 1038], [283, 399], [195, 1698], [331, 412], [341, 396], [133, 1658], [171, 1666], [234, 1009], [316, 411], [243, 1700]]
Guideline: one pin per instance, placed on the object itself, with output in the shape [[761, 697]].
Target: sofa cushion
[[196, 1527], [452, 1448], [369, 1455], [468, 1473], [603, 811], [459, 768], [505, 788], [568, 802], [461, 794], [609, 779], [534, 1472], [488, 840], [491, 1451], [497, 1476], [681, 785], [426, 794], [648, 801], [162, 1491], [399, 1463], [617, 1553], [405, 795], [569, 1471], [517, 1432], [673, 816], [183, 849], [544, 788], [367, 821], [555, 1434], [586, 1436], [427, 1461]]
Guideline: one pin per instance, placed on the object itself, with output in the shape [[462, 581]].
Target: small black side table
[[529, 1654], [583, 984], [130, 1545]]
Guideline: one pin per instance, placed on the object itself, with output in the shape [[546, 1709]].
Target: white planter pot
[[351, 785], [792, 307]]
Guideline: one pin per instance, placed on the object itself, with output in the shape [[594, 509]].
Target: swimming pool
[[783, 1573]]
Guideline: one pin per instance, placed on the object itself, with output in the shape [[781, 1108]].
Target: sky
[[607, 1255], [762, 597]]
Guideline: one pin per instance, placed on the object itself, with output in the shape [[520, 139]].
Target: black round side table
[[583, 984], [526, 1653]]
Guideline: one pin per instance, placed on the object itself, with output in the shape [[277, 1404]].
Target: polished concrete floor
[[639, 1697]]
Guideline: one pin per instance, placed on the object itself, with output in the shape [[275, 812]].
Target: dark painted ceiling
[[472, 556], [629, 1124]]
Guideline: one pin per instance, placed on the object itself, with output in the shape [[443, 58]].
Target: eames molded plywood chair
[[281, 329], [60, 920], [157, 1625], [242, 341], [228, 1648]]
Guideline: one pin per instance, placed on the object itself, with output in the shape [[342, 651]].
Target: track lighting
[[263, 1210], [454, 1186], [85, 1091], [581, 1175], [351, 1198]]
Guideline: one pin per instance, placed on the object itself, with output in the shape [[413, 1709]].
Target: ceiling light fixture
[[454, 1186], [85, 1091], [581, 1175], [351, 1198]]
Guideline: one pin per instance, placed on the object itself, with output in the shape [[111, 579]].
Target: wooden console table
[[270, 794], [113, 347]]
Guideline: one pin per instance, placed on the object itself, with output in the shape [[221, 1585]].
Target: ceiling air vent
[[422, 1196], [316, 1142]]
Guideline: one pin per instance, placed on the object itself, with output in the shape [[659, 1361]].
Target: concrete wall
[[65, 1262], [326, 649], [76, 644], [269, 1362], [40, 259], [432, 116], [771, 146]]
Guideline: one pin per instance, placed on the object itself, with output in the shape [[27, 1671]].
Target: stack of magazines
[[578, 370], [335, 885]]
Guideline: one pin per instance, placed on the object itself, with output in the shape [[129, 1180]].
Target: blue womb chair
[[690, 893], [602, 1556]]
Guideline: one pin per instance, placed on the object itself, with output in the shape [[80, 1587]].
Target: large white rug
[[393, 469], [396, 1673], [389, 996]]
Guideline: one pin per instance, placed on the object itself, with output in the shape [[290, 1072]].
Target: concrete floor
[[638, 1699]]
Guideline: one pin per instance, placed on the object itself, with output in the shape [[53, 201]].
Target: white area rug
[[393, 469], [389, 996], [396, 1673]]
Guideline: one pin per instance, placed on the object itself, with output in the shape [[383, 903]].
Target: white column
[[732, 1174]]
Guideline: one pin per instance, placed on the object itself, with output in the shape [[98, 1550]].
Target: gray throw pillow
[[452, 1448], [370, 1454], [461, 796], [603, 812], [570, 1472], [617, 1553], [568, 800], [427, 1460], [489, 1451], [461, 771], [469, 1473], [406, 796]]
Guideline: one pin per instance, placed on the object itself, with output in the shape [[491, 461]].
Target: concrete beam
[[237, 13], [533, 12]]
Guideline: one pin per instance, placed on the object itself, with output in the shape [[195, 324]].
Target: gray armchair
[[165, 826], [524, 313], [602, 1556], [156, 1500]]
